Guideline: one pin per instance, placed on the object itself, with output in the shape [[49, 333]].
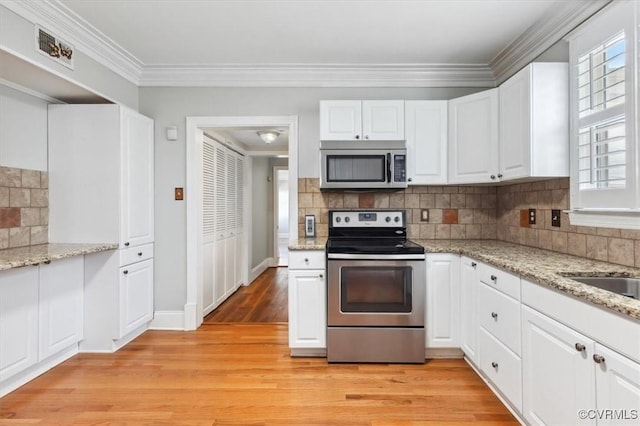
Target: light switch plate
[[179, 194], [555, 218], [424, 215]]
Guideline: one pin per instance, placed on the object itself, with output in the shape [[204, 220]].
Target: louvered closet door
[[230, 249], [239, 219], [220, 207], [208, 225]]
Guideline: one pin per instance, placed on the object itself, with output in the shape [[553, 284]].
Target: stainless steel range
[[376, 282]]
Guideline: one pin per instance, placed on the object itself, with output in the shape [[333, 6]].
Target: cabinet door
[[18, 320], [340, 120], [383, 120], [515, 126], [443, 301], [473, 138], [617, 385], [426, 132], [468, 309], [307, 309], [61, 305], [558, 375], [137, 179], [136, 296]]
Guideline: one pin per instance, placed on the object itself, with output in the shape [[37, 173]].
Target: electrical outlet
[[532, 216], [555, 218], [424, 215], [179, 194]]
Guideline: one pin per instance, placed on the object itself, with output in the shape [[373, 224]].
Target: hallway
[[265, 300]]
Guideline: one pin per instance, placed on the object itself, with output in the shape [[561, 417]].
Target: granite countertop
[[547, 268], [32, 255], [317, 243], [537, 265]]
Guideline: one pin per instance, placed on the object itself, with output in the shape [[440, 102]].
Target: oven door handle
[[348, 256]]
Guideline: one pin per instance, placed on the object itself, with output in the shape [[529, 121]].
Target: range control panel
[[372, 218]]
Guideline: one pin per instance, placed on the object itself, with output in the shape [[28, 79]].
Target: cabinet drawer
[[307, 259], [500, 316], [502, 367], [136, 254], [500, 280]]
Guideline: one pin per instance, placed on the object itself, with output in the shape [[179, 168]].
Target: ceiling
[[197, 32], [248, 139]]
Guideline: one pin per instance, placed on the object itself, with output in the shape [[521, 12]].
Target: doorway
[[281, 214]]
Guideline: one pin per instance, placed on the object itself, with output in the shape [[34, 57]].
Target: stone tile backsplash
[[24, 207], [482, 212], [455, 212]]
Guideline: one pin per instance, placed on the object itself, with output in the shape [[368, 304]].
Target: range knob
[[396, 219], [347, 219], [338, 219], [387, 219]]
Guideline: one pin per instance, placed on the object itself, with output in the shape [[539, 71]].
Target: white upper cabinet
[[534, 122], [426, 132], [361, 120], [473, 138]]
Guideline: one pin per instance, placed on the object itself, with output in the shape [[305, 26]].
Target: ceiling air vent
[[53, 47]]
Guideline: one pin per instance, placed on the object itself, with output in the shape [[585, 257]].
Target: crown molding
[[60, 20], [549, 29], [335, 75]]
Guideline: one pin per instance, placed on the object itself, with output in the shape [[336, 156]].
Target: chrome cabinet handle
[[494, 315], [357, 136], [493, 177], [126, 244], [409, 180], [499, 175], [139, 253], [125, 272], [306, 260], [474, 264], [580, 347], [321, 276], [493, 278], [599, 359], [494, 364]]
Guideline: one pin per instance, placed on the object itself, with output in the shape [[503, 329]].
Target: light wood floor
[[265, 300], [241, 374]]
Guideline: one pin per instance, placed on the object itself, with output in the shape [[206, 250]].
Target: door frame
[[276, 212], [193, 308]]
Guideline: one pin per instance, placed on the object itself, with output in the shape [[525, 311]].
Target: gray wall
[[170, 106], [260, 194]]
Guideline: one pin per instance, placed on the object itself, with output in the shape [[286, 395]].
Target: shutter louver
[[208, 190], [231, 192], [220, 193], [240, 191]]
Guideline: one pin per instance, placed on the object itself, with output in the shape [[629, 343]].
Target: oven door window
[[375, 289]]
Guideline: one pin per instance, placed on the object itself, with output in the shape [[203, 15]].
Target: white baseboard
[[269, 262], [168, 320]]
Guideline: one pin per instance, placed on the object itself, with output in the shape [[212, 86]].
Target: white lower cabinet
[[136, 296], [307, 303], [617, 385], [18, 320], [469, 327], [502, 367], [443, 301], [41, 319], [558, 373], [61, 309]]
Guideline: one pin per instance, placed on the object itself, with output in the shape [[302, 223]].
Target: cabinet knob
[[494, 315], [125, 272], [499, 175], [139, 253], [366, 137], [357, 136], [126, 244], [321, 276], [493, 177], [306, 260], [599, 359], [493, 278], [46, 262], [474, 264], [409, 179], [580, 347], [494, 364]]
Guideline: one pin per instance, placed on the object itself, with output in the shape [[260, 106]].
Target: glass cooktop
[[373, 246]]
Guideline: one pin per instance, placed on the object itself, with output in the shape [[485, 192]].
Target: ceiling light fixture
[[268, 136]]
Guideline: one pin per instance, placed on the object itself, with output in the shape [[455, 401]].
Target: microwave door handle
[[389, 167]]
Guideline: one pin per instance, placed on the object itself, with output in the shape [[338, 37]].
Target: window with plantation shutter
[[604, 178]]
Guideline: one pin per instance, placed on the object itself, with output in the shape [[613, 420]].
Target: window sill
[[606, 218]]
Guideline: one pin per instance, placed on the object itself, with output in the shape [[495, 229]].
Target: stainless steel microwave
[[377, 168]]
